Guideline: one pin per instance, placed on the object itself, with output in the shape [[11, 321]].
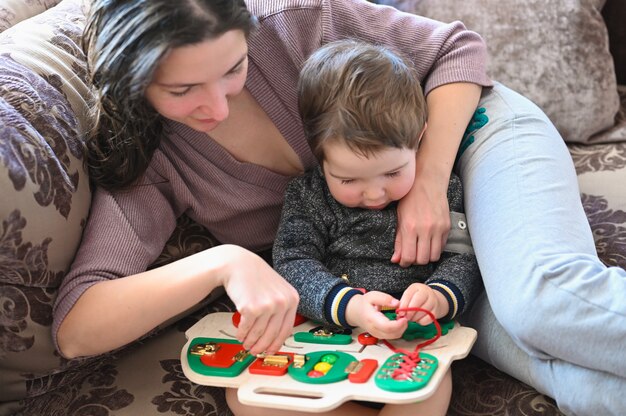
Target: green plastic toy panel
[[337, 339], [232, 371], [336, 373], [414, 380], [415, 330]]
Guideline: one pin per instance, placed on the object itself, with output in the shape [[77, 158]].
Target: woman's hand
[[266, 302], [423, 222], [423, 214], [364, 311]]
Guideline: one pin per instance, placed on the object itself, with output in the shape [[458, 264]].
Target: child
[[364, 113]]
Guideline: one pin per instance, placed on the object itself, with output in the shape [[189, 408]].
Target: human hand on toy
[[364, 311], [266, 302], [419, 295]]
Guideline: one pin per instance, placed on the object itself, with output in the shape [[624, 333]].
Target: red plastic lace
[[411, 359]]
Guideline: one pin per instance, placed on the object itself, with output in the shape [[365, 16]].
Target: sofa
[[569, 56]]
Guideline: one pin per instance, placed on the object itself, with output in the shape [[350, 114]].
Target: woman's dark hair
[[124, 41]]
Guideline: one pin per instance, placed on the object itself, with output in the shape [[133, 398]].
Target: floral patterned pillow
[[554, 52], [45, 201], [45, 191], [14, 11]]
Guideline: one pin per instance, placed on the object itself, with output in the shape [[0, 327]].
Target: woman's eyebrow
[[181, 85]]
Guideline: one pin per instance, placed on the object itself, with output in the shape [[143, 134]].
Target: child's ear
[[422, 134], [423, 130]]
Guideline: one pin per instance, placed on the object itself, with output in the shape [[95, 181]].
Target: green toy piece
[[410, 380], [229, 358], [415, 330], [333, 363], [320, 335]]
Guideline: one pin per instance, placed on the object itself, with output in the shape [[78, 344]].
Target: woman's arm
[[113, 313], [423, 215]]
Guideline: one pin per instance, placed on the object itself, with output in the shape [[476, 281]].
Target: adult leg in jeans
[[560, 306], [577, 389]]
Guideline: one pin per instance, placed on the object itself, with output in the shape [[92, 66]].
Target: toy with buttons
[[318, 369]]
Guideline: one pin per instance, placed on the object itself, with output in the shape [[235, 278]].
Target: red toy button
[[366, 339], [237, 318]]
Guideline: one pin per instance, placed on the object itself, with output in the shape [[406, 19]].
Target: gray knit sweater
[[319, 241]]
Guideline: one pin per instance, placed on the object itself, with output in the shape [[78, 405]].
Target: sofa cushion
[[614, 13], [601, 176], [44, 97], [14, 11], [143, 379], [556, 53], [45, 191], [601, 170]]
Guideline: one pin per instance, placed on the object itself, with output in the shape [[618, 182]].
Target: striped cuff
[[452, 294], [337, 302]]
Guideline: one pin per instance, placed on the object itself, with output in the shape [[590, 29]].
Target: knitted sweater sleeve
[[456, 275], [300, 247]]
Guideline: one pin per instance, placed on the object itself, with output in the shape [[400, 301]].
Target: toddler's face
[[368, 182]]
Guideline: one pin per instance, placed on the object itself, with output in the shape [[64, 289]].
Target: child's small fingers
[[389, 329], [409, 315], [414, 303], [418, 316], [425, 320]]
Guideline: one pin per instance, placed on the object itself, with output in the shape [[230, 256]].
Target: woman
[[198, 115]]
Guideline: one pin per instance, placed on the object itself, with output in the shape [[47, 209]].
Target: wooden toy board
[[284, 392]]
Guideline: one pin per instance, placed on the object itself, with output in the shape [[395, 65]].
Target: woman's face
[[193, 83]]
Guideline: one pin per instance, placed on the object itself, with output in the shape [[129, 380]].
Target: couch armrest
[[45, 189], [14, 11]]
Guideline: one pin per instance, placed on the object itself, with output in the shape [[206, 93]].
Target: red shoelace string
[[411, 359]]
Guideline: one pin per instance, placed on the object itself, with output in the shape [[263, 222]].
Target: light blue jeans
[[553, 316]]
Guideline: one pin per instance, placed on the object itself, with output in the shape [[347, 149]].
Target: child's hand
[[419, 295], [364, 311]]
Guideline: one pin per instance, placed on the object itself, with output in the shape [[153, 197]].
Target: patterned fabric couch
[[45, 197]]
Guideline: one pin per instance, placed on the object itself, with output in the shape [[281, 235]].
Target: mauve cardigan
[[240, 203]]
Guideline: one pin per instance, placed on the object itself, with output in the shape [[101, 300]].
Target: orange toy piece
[[271, 365], [363, 370]]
